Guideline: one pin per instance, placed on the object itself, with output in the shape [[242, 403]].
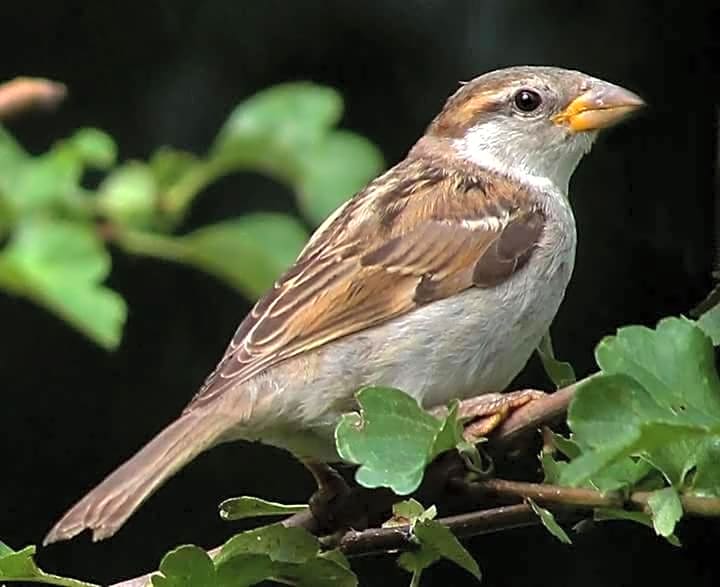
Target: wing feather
[[395, 246]]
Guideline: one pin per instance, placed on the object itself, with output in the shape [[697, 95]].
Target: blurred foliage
[[56, 230]]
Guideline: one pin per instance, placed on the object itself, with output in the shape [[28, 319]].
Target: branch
[[383, 540], [578, 498], [356, 543], [27, 93]]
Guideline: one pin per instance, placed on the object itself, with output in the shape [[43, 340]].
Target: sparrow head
[[531, 123]]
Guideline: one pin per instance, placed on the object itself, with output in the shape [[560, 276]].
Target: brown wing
[[397, 245]]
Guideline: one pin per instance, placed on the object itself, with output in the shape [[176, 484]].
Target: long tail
[[106, 508]]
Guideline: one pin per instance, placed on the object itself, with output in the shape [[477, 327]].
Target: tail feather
[[107, 507]]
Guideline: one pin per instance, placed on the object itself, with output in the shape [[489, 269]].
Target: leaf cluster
[[56, 229]]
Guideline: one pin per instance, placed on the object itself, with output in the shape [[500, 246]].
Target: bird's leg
[[331, 490], [484, 413]]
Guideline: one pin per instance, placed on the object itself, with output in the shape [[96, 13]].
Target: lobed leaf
[[392, 439], [658, 398]]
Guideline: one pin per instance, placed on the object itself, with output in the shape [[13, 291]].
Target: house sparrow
[[439, 278]]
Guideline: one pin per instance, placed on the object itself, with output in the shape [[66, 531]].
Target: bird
[[440, 278]]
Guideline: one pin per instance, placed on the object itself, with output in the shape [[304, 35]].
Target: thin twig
[[29, 93], [378, 540]]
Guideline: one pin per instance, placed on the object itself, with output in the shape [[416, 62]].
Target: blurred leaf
[[20, 566], [11, 153], [94, 147], [249, 252], [185, 566], [561, 373], [333, 171], [392, 438], [128, 194], [548, 520], [709, 321], [290, 117], [39, 183], [666, 510], [61, 265], [169, 166], [239, 508]]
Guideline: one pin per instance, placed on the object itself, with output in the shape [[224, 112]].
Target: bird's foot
[[484, 413], [331, 492]]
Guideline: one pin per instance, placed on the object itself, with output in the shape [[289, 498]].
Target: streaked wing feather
[[446, 234]]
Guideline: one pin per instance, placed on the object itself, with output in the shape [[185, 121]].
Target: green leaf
[[39, 184], [284, 554], [239, 508], [658, 398], [548, 520], [281, 544], [11, 153], [291, 116], [185, 566], [170, 166], [337, 557], [561, 373], [249, 252], [706, 480], [438, 538], [392, 439], [128, 194], [450, 435], [409, 512], [709, 322], [674, 362], [94, 147], [605, 514], [20, 566], [666, 510], [317, 572], [60, 265], [334, 170], [244, 570]]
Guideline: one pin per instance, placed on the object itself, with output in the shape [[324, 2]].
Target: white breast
[[479, 340], [471, 343]]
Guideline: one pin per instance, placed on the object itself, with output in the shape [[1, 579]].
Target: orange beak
[[602, 106]]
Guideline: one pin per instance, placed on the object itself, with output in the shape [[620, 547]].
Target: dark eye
[[527, 100]]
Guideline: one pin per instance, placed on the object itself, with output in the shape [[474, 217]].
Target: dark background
[[168, 72]]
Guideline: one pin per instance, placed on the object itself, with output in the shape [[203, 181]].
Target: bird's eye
[[527, 100]]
